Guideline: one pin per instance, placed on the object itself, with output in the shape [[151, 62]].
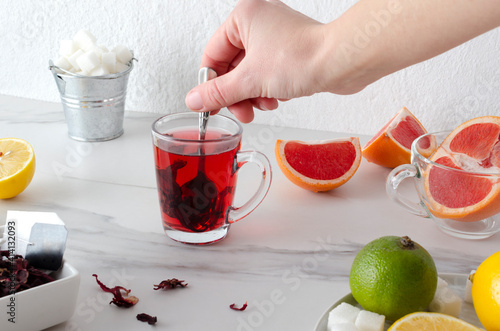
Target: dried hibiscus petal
[[233, 307], [118, 299], [170, 283], [16, 274], [147, 318]]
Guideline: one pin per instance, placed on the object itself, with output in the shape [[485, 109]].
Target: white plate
[[43, 306], [455, 281]]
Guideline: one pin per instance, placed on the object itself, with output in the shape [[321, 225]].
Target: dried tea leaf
[[151, 320], [118, 298], [233, 307], [170, 284]]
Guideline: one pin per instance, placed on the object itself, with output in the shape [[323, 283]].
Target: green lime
[[393, 276]]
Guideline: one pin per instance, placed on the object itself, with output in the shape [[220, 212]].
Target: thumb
[[216, 93]]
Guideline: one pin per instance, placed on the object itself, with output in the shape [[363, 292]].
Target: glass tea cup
[[196, 178], [464, 204]]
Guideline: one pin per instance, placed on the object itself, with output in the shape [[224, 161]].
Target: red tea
[[195, 188]]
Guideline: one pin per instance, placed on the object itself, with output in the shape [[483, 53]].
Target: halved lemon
[[17, 166], [424, 321]]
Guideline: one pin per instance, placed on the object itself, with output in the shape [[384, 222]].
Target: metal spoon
[[205, 74]]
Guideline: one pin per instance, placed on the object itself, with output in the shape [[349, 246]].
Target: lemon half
[[17, 166]]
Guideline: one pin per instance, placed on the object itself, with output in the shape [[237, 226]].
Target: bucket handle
[[61, 83]]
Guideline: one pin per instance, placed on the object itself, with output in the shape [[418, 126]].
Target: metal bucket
[[94, 106]]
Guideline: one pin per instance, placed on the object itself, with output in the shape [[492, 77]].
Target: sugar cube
[[109, 61], [99, 70], [468, 287], [88, 61], [446, 302], [343, 313], [84, 39], [73, 57], [441, 283], [67, 47], [63, 63], [342, 327], [123, 54], [120, 67], [104, 48], [369, 321]]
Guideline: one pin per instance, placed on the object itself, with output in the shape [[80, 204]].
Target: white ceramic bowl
[[43, 306]]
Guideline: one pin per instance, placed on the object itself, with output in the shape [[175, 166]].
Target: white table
[[289, 259]]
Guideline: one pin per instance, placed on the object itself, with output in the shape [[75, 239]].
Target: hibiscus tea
[[196, 180]]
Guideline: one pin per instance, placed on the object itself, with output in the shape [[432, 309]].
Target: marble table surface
[[289, 259]]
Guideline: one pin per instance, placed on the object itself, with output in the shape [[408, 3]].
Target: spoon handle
[[204, 75]]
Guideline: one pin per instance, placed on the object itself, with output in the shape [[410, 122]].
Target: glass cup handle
[[395, 178], [242, 157]]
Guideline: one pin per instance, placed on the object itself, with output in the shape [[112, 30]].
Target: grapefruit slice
[[319, 165], [390, 147], [467, 188]]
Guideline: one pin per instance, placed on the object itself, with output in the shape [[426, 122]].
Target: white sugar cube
[[342, 327], [98, 50], [104, 48], [441, 283], [84, 39], [468, 287], [109, 61], [67, 47], [446, 302], [343, 313], [73, 57], [123, 54], [120, 67], [99, 70], [63, 63], [88, 61], [369, 321]]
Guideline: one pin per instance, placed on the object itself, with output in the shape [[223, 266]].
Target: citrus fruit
[[319, 165], [473, 149], [425, 321], [393, 276], [486, 292], [17, 166], [390, 147]]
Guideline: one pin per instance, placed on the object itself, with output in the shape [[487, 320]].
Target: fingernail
[[194, 101]]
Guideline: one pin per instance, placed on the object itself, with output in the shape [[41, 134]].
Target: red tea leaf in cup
[[233, 307], [170, 284], [118, 299], [151, 320]]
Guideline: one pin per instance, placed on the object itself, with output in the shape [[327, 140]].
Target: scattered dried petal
[[170, 283], [233, 307], [118, 299], [147, 318]]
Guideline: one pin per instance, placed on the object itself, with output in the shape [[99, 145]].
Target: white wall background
[[168, 38]]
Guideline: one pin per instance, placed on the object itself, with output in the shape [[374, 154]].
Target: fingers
[[243, 111]]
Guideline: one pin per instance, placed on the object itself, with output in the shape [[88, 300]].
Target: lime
[[486, 292], [17, 166], [393, 276]]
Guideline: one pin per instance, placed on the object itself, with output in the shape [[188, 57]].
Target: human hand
[[264, 52]]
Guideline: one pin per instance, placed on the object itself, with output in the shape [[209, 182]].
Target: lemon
[[423, 321], [17, 166], [486, 292], [393, 276]]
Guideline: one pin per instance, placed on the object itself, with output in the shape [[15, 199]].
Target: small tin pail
[[94, 106]]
